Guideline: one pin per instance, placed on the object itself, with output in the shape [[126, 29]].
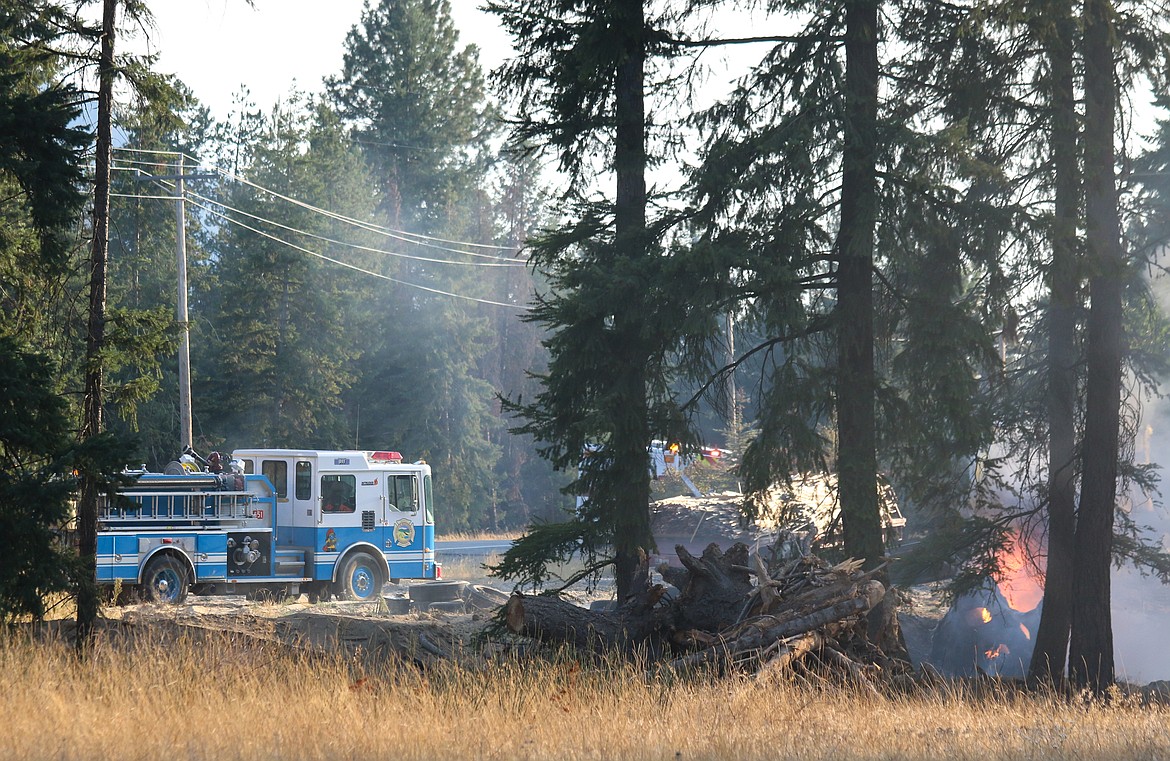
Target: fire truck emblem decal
[[404, 533], [330, 541]]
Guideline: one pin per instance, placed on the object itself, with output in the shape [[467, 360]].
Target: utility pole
[[181, 313], [185, 436]]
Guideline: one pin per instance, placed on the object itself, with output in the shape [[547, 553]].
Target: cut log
[[553, 620]]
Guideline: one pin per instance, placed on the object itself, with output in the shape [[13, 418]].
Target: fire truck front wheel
[[361, 578], [166, 580]]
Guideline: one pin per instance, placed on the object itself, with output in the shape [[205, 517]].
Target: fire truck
[[271, 521]]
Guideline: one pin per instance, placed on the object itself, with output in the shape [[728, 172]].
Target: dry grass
[[480, 536], [227, 700]]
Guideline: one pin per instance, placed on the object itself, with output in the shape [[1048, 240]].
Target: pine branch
[[815, 326]]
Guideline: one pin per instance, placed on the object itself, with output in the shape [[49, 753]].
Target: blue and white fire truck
[[274, 521]]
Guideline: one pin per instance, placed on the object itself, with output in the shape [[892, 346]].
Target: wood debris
[[734, 612]]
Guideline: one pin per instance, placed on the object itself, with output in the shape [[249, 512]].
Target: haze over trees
[[911, 216]]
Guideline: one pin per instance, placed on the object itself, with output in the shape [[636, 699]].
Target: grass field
[[225, 699]]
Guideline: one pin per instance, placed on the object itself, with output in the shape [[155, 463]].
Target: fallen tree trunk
[[551, 619]]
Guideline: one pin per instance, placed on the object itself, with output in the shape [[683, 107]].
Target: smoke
[[1141, 602]]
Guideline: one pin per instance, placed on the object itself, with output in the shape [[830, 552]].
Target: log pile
[[734, 612]]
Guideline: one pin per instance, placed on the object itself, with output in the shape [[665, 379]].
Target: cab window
[[337, 493], [429, 493], [277, 472], [304, 479], [402, 491]]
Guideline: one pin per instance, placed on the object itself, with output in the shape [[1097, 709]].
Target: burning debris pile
[[734, 612], [989, 631]]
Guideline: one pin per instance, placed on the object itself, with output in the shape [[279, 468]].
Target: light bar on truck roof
[[386, 456]]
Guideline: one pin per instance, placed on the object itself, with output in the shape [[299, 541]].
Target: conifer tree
[[1091, 644], [413, 99], [284, 343], [614, 313]]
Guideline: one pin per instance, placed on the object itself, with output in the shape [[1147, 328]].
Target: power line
[[352, 266], [402, 235], [357, 246], [399, 235], [144, 197]]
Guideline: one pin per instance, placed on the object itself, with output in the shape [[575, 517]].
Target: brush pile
[[736, 612]]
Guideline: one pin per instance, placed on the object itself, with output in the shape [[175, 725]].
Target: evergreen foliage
[[284, 340], [40, 145], [618, 312], [35, 483], [416, 103]]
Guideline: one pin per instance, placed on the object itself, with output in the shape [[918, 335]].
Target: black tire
[[361, 578], [165, 580], [398, 606], [483, 597], [436, 591]]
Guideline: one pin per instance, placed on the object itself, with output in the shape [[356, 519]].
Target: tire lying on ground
[[436, 591], [397, 606], [481, 597], [448, 606]]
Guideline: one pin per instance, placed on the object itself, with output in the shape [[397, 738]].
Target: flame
[[998, 651], [1017, 579], [978, 616], [1027, 634]]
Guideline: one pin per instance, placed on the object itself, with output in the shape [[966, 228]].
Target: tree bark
[[95, 338], [556, 621], [632, 536], [856, 381], [1091, 646], [1051, 649]]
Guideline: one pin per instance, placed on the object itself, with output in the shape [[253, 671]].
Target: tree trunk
[[1051, 649], [856, 383], [1091, 646], [95, 338], [632, 537]]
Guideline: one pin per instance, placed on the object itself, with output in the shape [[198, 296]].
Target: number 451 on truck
[[280, 521]]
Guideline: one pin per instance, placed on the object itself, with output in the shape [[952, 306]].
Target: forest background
[[358, 259]]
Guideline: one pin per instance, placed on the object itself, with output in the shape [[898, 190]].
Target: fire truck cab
[[282, 521]]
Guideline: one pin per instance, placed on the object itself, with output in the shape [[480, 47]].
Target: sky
[[215, 46]]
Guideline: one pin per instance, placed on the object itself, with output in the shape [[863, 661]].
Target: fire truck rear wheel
[[165, 580], [361, 578]]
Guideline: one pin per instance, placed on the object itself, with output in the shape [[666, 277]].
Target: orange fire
[[1018, 580], [997, 652], [1027, 634], [978, 616]]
